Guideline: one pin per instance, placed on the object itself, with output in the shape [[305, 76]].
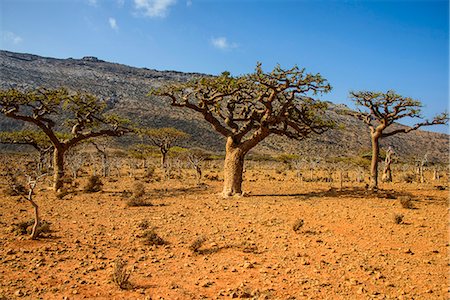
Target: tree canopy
[[250, 107], [79, 116], [378, 109]]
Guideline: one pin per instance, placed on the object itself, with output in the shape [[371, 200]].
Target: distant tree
[[381, 110], [195, 158], [56, 109], [246, 109], [163, 138], [37, 139], [387, 171]]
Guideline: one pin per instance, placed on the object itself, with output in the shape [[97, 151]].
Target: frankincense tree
[[379, 111], [81, 115], [246, 109]]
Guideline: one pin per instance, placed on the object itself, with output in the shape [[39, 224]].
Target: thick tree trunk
[[58, 168], [374, 165], [233, 169]]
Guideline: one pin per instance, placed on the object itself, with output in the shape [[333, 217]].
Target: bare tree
[[248, 108], [298, 165], [75, 160], [83, 113], [381, 111], [195, 158], [421, 162], [102, 149], [37, 139], [31, 183], [387, 172]]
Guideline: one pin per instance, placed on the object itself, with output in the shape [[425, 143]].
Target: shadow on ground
[[342, 193]]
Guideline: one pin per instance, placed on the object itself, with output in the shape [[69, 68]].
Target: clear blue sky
[[356, 45]]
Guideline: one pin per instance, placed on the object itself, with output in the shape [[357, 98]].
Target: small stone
[[248, 265], [408, 251], [19, 293]]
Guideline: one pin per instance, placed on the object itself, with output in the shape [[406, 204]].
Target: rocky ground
[[346, 245]]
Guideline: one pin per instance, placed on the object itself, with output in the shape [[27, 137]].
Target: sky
[[356, 45]]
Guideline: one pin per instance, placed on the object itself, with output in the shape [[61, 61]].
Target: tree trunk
[[374, 165], [58, 168], [37, 221], [163, 158], [233, 169], [387, 173]]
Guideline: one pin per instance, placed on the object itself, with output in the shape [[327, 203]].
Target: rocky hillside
[[128, 86]]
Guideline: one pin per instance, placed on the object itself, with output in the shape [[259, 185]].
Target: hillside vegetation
[[127, 88]]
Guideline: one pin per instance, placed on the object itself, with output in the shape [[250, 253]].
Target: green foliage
[[380, 110], [38, 139], [142, 151], [44, 108], [257, 104]]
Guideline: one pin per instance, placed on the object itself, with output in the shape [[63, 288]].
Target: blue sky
[[356, 45]]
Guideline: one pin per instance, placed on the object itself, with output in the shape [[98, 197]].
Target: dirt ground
[[349, 246]]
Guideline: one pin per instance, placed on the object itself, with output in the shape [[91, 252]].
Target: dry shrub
[[212, 177], [150, 237], [25, 228], [406, 202], [121, 275], [144, 225], [197, 244], [136, 202], [408, 178], [138, 190], [398, 218], [149, 172], [62, 193], [94, 184], [297, 225]]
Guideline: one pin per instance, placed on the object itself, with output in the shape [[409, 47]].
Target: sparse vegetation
[[398, 218], [406, 202], [138, 190], [298, 224], [197, 244], [94, 184], [26, 228], [151, 238], [408, 178], [121, 274], [138, 202]]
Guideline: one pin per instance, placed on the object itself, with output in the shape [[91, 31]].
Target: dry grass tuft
[[121, 275]]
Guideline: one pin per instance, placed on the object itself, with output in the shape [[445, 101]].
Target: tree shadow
[[354, 192], [174, 192]]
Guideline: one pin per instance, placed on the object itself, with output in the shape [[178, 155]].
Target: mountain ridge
[[128, 87]]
